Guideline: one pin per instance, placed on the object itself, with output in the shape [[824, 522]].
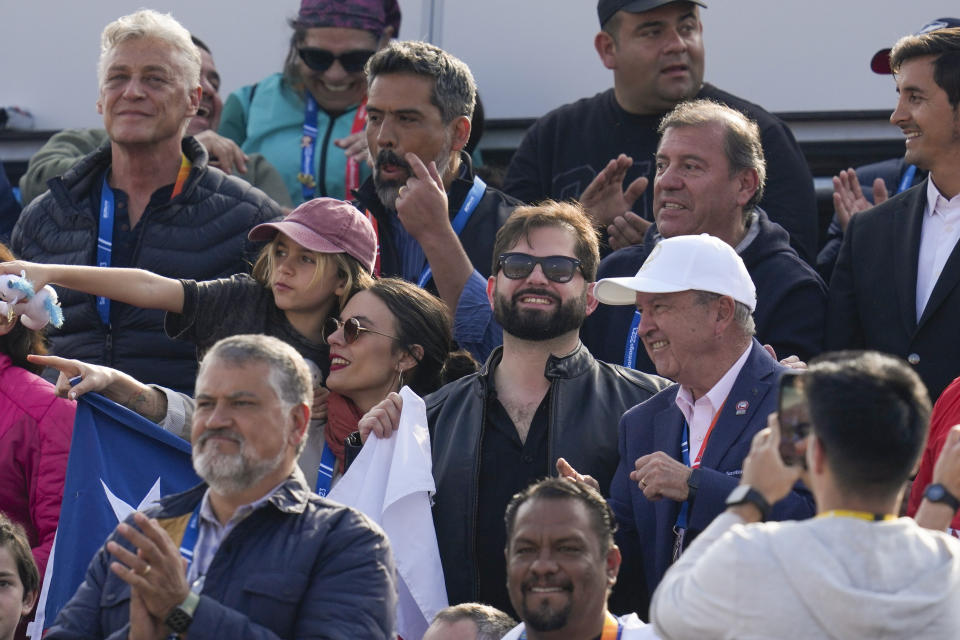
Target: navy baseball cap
[[606, 8], [880, 63]]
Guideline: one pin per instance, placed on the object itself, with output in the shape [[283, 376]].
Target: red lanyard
[[706, 438], [352, 179]]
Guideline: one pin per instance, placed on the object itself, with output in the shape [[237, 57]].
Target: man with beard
[[562, 563], [539, 397], [252, 552], [435, 219]]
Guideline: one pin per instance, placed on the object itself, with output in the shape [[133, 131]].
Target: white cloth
[[938, 236], [391, 481], [633, 629], [834, 577]]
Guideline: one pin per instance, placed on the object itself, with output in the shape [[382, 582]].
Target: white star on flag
[[123, 510]]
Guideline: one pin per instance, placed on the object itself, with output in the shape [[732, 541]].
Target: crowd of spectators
[[604, 346]]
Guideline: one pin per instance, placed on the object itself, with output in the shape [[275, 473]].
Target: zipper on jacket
[[322, 173]]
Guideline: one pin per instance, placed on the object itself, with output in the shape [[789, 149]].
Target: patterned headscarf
[[369, 15]]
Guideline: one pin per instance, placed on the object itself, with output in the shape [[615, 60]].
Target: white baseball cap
[[684, 263]]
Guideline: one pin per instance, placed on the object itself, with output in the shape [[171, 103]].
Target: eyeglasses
[[556, 268], [351, 330], [321, 59]]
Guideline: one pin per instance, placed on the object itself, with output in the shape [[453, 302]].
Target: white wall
[[528, 55]]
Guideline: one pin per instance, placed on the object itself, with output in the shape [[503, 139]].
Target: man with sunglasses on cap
[[148, 200], [539, 397], [600, 149], [682, 452]]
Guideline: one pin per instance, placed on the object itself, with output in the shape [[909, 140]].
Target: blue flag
[[119, 463]]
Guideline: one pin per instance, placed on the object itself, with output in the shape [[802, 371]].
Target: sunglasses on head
[[351, 330], [321, 59], [556, 268]]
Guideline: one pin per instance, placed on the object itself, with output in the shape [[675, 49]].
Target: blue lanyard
[[325, 471], [907, 180], [633, 341], [460, 220], [307, 145], [190, 536], [105, 243], [685, 456]]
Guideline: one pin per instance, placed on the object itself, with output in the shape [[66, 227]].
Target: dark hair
[[492, 624], [604, 522], [454, 90], [20, 341], [942, 43], [870, 412], [550, 213], [14, 539], [422, 319], [200, 44]]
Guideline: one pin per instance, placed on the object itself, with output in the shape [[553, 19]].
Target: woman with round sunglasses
[[308, 120], [389, 335]]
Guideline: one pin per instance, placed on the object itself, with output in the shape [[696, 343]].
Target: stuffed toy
[[17, 298]]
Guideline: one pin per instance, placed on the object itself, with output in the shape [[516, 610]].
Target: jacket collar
[[577, 362], [291, 497]]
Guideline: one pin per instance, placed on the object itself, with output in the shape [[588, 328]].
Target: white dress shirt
[[938, 236]]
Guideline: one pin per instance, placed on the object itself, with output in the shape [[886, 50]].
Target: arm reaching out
[[136, 287]]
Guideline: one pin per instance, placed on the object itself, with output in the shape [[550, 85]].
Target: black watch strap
[[745, 494], [938, 493], [182, 615]]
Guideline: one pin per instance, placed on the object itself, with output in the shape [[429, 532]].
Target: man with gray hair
[[681, 452], [710, 175], [252, 552], [435, 219], [469, 621], [146, 200]]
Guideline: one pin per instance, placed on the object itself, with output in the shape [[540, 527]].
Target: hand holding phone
[[794, 419]]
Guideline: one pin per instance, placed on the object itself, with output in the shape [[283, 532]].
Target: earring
[[400, 380]]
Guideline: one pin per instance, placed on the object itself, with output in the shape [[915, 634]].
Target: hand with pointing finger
[[422, 202]]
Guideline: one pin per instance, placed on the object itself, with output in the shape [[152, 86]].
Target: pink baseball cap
[[325, 225]]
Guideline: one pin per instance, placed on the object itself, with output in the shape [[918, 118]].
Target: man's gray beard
[[388, 190], [234, 472]]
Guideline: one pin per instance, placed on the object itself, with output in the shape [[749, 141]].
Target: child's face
[[293, 281], [12, 604]]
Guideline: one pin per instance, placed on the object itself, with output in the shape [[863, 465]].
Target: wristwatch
[[182, 615], [745, 494], [938, 493]]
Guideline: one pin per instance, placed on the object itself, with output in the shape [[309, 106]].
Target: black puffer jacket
[[200, 234]]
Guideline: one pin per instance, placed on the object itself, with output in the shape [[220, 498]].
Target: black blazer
[[872, 301]]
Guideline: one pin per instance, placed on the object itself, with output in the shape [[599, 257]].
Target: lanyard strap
[[460, 220], [612, 629], [861, 515], [633, 341], [352, 179], [325, 471], [907, 178], [308, 144], [190, 536], [685, 454]]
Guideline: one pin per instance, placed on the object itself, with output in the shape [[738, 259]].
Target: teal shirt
[[272, 124]]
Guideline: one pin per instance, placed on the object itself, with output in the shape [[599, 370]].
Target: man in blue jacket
[[252, 553]]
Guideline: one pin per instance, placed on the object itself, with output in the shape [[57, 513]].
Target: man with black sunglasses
[[435, 218], [539, 398]]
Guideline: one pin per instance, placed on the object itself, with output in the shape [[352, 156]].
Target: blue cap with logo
[[880, 63]]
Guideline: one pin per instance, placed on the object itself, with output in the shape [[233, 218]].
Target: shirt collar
[[207, 514], [718, 393], [937, 201]]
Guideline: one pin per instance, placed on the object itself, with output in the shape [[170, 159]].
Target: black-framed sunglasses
[[321, 59], [556, 268], [351, 330]]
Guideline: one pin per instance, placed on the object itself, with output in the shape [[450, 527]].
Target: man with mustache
[[148, 199], [562, 563], [600, 149], [539, 397], [252, 552], [66, 148], [435, 219]]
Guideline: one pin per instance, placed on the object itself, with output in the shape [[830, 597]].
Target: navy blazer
[[873, 293], [645, 528]]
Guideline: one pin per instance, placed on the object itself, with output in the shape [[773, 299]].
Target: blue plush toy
[[17, 298]]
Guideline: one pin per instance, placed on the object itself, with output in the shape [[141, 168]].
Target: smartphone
[[794, 419]]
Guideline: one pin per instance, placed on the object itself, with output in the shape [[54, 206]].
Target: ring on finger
[[643, 482], [146, 570]]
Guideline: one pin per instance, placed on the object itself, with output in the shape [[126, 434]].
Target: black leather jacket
[[587, 399]]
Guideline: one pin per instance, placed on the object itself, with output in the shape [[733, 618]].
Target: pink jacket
[[35, 430]]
